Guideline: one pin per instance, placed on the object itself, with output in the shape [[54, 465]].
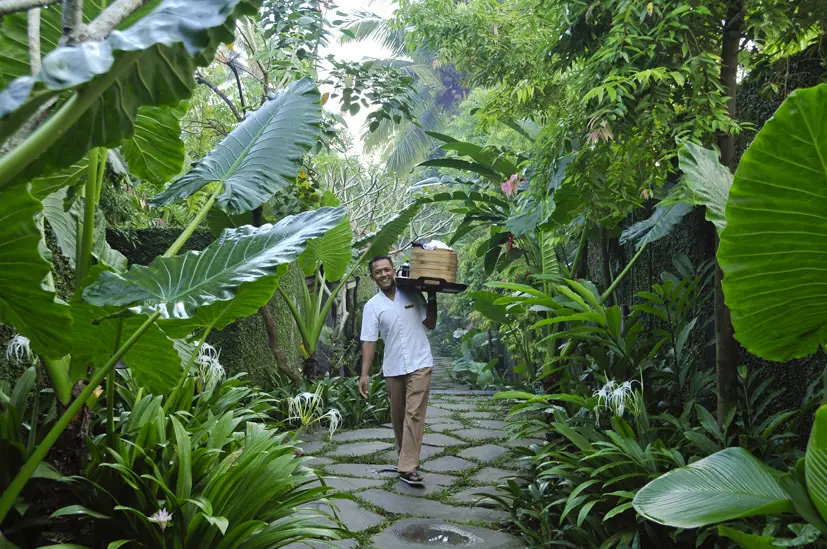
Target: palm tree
[[438, 93]]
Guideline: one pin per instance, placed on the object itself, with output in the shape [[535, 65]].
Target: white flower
[[334, 419], [19, 350], [210, 370], [162, 518], [616, 397]]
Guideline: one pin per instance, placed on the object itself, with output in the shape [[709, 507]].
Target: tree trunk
[[311, 369], [726, 348], [270, 324], [605, 267]]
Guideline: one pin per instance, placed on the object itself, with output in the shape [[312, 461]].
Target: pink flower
[[470, 325], [510, 186]]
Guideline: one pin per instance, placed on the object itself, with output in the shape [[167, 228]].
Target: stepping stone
[[480, 434], [489, 424], [435, 411], [388, 425], [450, 406], [447, 464], [345, 484], [397, 504], [364, 434], [434, 482], [462, 392], [360, 448], [471, 496], [432, 420], [486, 452], [524, 442], [309, 448], [355, 517], [442, 427], [317, 462], [436, 439], [426, 452], [362, 470], [413, 533], [493, 475], [478, 415], [338, 544]]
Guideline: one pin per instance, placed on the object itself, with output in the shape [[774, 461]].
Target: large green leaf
[[727, 485], [65, 226], [707, 180], [14, 40], [250, 298], [150, 63], [156, 152], [483, 156], [772, 250], [177, 287], [153, 360], [484, 303], [747, 541], [73, 176], [383, 240], [261, 156], [815, 464], [25, 301], [665, 218], [464, 165], [331, 251]]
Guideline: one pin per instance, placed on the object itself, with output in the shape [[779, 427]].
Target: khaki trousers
[[409, 401]]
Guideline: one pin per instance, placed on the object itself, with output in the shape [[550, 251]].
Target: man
[[400, 317]]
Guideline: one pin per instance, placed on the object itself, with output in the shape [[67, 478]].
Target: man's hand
[[363, 386]]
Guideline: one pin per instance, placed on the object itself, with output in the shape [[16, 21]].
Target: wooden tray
[[427, 283]]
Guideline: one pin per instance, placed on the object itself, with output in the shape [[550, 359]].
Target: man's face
[[383, 274]]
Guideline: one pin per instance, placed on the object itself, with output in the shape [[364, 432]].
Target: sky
[[356, 51]]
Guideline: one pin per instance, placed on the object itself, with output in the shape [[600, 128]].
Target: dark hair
[[378, 258]]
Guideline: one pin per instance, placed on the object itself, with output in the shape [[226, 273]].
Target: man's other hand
[[363, 386]]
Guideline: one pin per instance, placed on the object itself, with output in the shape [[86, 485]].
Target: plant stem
[[297, 317], [578, 256], [35, 410], [187, 368], [83, 257], [184, 236], [626, 270], [37, 144], [9, 496], [110, 389]]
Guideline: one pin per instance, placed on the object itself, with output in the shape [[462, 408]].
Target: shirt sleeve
[[421, 306], [370, 323]]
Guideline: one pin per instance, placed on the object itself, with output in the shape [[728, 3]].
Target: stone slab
[[349, 484], [486, 452], [480, 434], [492, 475], [364, 434], [489, 424], [434, 482], [524, 442], [471, 496], [462, 392], [414, 533], [448, 425], [478, 415], [447, 464], [457, 406], [360, 448], [316, 462], [362, 470], [397, 504], [435, 411], [436, 439], [311, 447], [352, 515]]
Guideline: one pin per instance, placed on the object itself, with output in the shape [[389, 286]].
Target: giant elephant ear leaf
[[259, 157], [707, 180], [727, 485], [667, 215], [155, 153], [772, 250], [176, 287], [332, 251], [24, 301], [150, 63]]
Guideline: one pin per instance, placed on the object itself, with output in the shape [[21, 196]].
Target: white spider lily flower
[[334, 419], [19, 350], [210, 371], [303, 407], [616, 398], [162, 517]]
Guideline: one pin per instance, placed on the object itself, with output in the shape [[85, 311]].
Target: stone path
[[466, 453]]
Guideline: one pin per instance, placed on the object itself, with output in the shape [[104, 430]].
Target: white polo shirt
[[399, 323]]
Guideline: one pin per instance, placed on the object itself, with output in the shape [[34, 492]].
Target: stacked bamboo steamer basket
[[434, 264]]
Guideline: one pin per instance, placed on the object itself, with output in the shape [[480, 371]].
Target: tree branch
[[201, 80], [112, 16], [34, 40], [71, 21], [7, 7]]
